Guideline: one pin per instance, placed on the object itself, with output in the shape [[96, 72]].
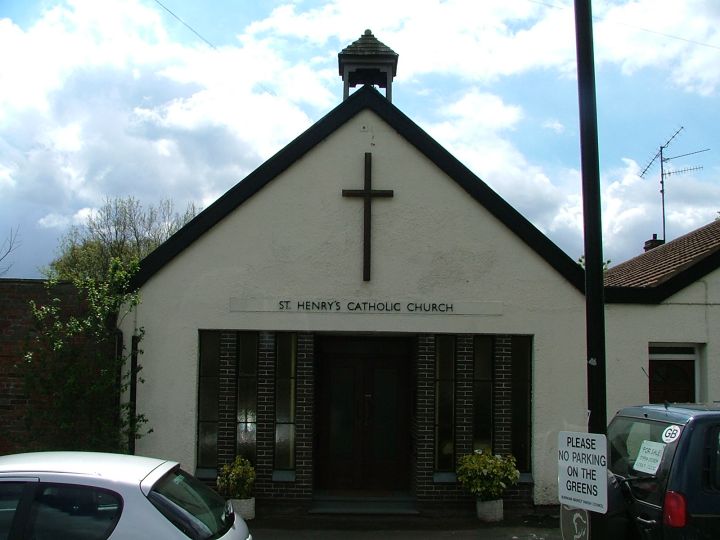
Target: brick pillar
[[425, 416], [304, 415], [502, 394], [265, 414], [227, 399], [463, 394]]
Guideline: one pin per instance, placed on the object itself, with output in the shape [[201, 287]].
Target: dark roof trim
[[365, 98], [664, 290]]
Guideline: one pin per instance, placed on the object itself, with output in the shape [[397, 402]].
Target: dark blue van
[[664, 474]]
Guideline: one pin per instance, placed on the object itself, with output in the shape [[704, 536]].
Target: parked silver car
[[96, 496]]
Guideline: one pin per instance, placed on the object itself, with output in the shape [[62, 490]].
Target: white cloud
[[54, 221], [6, 176], [81, 34], [554, 125], [681, 37], [473, 131], [474, 40], [485, 110], [66, 138], [63, 221], [482, 41]]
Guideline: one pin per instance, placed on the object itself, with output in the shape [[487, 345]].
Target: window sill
[[526, 478], [444, 478], [283, 476]]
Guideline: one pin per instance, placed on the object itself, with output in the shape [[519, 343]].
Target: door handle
[[648, 522]]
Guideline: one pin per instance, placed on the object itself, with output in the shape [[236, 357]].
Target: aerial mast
[[660, 155]]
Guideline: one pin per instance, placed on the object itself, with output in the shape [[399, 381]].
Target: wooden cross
[[367, 194]]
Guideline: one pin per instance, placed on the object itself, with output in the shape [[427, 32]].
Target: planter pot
[[245, 508], [489, 511]]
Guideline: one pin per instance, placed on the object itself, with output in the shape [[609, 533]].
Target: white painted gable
[[299, 240]]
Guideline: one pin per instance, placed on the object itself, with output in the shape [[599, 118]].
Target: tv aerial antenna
[[660, 156]]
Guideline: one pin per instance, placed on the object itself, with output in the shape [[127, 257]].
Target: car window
[[73, 512], [642, 451], [10, 493], [191, 506], [713, 459]]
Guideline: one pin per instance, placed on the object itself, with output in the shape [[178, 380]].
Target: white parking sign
[[582, 470]]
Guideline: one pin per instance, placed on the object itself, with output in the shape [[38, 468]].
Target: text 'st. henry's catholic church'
[[362, 310]]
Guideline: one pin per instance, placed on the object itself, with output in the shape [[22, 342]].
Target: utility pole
[[594, 293]]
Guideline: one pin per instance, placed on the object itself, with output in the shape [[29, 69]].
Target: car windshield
[[191, 506], [641, 451]]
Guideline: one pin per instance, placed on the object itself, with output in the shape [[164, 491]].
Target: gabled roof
[[661, 272], [365, 98]]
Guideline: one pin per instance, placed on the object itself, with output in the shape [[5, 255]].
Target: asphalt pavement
[[359, 527]]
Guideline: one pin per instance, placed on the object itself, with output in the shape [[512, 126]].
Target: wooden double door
[[363, 411]]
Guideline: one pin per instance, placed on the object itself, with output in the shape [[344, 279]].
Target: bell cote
[[367, 61]]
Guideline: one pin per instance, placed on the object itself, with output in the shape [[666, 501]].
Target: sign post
[[582, 481], [582, 470]]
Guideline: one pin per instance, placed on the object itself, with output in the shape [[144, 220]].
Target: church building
[[362, 310]]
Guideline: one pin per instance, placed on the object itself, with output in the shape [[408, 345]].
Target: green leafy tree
[[76, 369], [120, 229]]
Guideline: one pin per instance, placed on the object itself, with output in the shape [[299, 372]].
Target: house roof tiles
[[657, 274], [663, 262]]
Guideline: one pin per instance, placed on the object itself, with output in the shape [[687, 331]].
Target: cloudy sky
[[117, 98]]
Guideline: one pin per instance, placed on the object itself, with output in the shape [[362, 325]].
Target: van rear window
[[642, 451]]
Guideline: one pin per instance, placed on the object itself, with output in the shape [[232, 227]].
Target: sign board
[[365, 306], [582, 470], [649, 457]]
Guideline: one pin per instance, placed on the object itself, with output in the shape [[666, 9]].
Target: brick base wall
[[16, 328]]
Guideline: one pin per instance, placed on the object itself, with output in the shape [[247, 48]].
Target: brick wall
[[16, 327], [502, 395], [464, 369], [428, 487], [265, 415], [227, 398], [520, 494], [424, 417], [298, 486], [431, 488], [305, 416]]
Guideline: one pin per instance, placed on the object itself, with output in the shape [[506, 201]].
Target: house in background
[[662, 320]]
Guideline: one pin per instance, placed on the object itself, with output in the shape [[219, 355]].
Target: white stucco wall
[[298, 238]]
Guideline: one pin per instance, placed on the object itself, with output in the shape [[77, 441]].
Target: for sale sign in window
[[582, 470]]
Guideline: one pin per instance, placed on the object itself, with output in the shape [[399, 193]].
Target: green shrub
[[236, 479], [486, 475]]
